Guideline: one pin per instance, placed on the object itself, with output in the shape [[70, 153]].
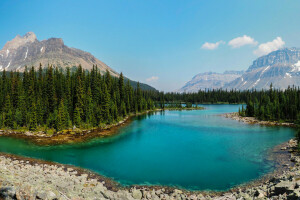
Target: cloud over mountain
[[265, 48]]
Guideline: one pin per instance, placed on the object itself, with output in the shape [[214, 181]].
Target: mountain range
[[28, 51], [281, 68], [210, 80]]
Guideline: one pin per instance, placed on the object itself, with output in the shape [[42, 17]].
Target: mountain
[[27, 50], [281, 68], [210, 80]]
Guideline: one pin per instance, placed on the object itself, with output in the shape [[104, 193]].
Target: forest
[[60, 99], [274, 105]]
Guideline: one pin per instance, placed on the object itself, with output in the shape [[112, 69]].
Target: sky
[[163, 43]]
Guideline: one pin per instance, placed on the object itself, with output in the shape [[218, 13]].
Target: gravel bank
[[252, 120]]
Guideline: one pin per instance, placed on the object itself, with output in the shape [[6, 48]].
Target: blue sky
[[160, 42]]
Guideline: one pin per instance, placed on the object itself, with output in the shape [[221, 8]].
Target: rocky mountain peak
[[20, 41], [281, 68], [55, 41], [286, 56], [28, 51]]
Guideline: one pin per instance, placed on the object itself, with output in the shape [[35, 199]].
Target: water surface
[[197, 150]]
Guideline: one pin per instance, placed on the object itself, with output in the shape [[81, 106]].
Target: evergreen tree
[[62, 119], [33, 119]]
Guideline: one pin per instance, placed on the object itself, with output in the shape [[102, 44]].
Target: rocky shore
[[253, 120], [22, 178]]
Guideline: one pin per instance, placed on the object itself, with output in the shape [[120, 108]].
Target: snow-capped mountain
[[281, 68], [27, 50], [210, 80]]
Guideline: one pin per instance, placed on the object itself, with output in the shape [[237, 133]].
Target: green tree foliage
[[279, 105], [60, 99]]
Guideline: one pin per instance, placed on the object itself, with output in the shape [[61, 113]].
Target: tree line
[[274, 105], [60, 99], [203, 97], [63, 98]]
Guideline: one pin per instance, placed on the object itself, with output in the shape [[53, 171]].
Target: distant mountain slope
[[281, 68], [27, 50], [210, 80]]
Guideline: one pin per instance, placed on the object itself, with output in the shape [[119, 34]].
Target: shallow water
[[197, 150]]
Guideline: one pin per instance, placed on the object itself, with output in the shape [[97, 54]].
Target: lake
[[196, 150]]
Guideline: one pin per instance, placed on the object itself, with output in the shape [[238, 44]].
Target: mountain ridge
[[28, 50], [209, 80], [280, 67]]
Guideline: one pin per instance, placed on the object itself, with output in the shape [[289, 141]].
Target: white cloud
[[211, 46], [268, 47], [152, 79], [242, 41]]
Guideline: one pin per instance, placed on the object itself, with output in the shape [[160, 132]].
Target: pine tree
[[33, 119], [50, 90], [105, 106], [139, 97], [89, 108], [79, 97], [77, 118], [62, 119]]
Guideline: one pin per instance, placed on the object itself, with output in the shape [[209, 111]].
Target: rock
[[51, 195], [294, 195], [158, 192], [295, 159], [41, 195], [284, 187], [7, 193], [259, 194], [176, 191], [137, 194], [153, 195]]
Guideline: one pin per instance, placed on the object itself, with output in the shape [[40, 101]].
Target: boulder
[[41, 195], [51, 195], [294, 195], [284, 187], [176, 191], [259, 193], [137, 194], [7, 193], [295, 159]]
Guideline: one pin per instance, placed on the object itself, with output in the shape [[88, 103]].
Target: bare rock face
[[281, 68], [27, 50], [210, 80]]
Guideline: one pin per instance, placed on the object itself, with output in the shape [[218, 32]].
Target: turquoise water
[[196, 150]]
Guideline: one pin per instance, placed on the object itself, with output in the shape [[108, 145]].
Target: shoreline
[[76, 136], [253, 120]]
